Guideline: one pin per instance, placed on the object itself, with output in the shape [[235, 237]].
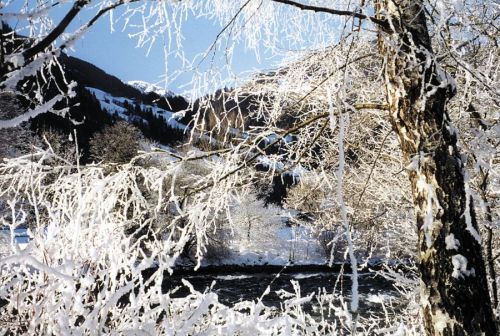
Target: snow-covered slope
[[146, 87], [123, 107]]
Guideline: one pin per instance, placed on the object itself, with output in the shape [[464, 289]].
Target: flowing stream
[[240, 286]]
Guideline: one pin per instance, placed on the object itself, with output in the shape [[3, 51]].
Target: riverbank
[[339, 267]]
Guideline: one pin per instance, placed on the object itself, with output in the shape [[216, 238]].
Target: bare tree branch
[[212, 46], [57, 31], [61, 27], [373, 167], [381, 23]]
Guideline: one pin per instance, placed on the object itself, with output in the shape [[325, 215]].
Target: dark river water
[[236, 287]]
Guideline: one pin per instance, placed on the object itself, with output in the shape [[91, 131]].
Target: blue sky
[[117, 54]]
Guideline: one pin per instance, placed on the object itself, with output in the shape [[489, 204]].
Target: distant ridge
[[146, 87], [87, 74]]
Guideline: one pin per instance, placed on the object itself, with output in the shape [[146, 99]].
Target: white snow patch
[[149, 87], [429, 225], [414, 164], [19, 237], [16, 59], [451, 242], [460, 267], [379, 298], [429, 218], [441, 320], [467, 212], [273, 164]]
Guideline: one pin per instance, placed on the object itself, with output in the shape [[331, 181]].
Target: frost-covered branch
[[382, 23]]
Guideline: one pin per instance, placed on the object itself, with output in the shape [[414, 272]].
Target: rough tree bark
[[454, 291]]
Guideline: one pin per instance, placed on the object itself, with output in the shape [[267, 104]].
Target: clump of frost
[[467, 212], [451, 242], [460, 267], [415, 162]]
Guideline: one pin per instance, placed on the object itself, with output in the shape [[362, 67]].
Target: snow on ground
[[284, 245], [111, 104], [300, 276], [274, 164], [167, 115]]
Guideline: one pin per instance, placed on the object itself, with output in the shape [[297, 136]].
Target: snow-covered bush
[[84, 272], [381, 221], [81, 260]]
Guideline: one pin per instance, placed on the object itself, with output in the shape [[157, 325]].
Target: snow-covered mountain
[[146, 88], [126, 109]]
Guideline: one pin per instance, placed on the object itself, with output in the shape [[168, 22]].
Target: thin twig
[[373, 167], [212, 46]]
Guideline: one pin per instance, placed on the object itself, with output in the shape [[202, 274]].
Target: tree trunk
[[454, 292]]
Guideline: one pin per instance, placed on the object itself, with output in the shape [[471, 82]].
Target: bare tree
[[418, 90], [118, 143]]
